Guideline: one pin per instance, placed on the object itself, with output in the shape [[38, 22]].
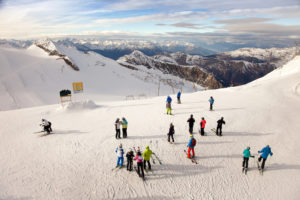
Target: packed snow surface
[[76, 161]]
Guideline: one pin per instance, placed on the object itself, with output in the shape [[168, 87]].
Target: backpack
[[194, 142]]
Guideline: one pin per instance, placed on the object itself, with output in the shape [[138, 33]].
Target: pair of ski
[[192, 159]]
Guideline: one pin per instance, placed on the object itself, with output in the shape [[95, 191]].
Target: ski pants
[[245, 162], [178, 100], [191, 127], [170, 136], [202, 131], [189, 152], [129, 164], [118, 132], [47, 129], [140, 169], [169, 111], [263, 162], [120, 161], [219, 130], [124, 131], [211, 106], [149, 165]]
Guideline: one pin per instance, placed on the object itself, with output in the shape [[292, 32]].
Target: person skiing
[[220, 122], [169, 109], [147, 155], [202, 125], [191, 122], [139, 159], [264, 155], [118, 131], [129, 156], [171, 132], [124, 127], [211, 102], [46, 125], [178, 97], [120, 153], [191, 145], [246, 156]]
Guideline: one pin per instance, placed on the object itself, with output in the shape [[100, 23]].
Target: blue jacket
[[246, 153], [178, 94], [169, 99], [211, 101], [190, 143], [120, 152], [265, 152]]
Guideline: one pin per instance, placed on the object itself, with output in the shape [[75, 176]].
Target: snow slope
[[76, 161], [31, 77]]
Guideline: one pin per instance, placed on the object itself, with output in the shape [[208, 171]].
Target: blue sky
[[25, 19]]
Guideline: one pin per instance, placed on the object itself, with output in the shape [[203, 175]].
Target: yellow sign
[[77, 87]]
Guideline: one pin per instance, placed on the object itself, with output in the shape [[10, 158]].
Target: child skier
[[264, 155], [247, 155], [202, 125], [191, 122], [191, 145], [120, 153], [124, 127], [129, 157], [211, 103], [220, 122], [171, 132], [147, 155], [139, 159]]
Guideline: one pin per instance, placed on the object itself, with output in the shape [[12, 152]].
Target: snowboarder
[[124, 127], [220, 122], [139, 159], [118, 131], [264, 155], [191, 122], [191, 145], [147, 155], [129, 157], [247, 155], [171, 132], [202, 125], [169, 109], [178, 97], [120, 153], [211, 102], [47, 125]]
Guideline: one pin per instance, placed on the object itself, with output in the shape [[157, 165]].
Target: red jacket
[[202, 123]]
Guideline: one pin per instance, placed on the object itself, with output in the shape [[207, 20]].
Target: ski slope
[[76, 161]]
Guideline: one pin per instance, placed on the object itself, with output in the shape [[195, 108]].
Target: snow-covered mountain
[[78, 160], [34, 76]]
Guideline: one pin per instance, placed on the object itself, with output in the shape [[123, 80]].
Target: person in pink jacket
[[140, 167]]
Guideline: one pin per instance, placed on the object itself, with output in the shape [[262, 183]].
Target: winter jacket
[[147, 153], [171, 130], [168, 105], [118, 124], [124, 123], [129, 155], [265, 152], [169, 99], [191, 121], [178, 95], [246, 153], [211, 101], [220, 122], [190, 143], [202, 123], [138, 158], [120, 152]]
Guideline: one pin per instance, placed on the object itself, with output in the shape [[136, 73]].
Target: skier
[[129, 157], [171, 132], [202, 125], [220, 122], [191, 122], [247, 155], [211, 102], [139, 159], [124, 127], [191, 145], [117, 125], [264, 155], [169, 109], [178, 97], [120, 153], [147, 155], [47, 125]]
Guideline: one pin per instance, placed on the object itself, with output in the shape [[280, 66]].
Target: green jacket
[[247, 153], [147, 153]]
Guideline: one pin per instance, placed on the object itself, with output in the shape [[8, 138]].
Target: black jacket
[[129, 155], [191, 121], [220, 122], [171, 130]]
